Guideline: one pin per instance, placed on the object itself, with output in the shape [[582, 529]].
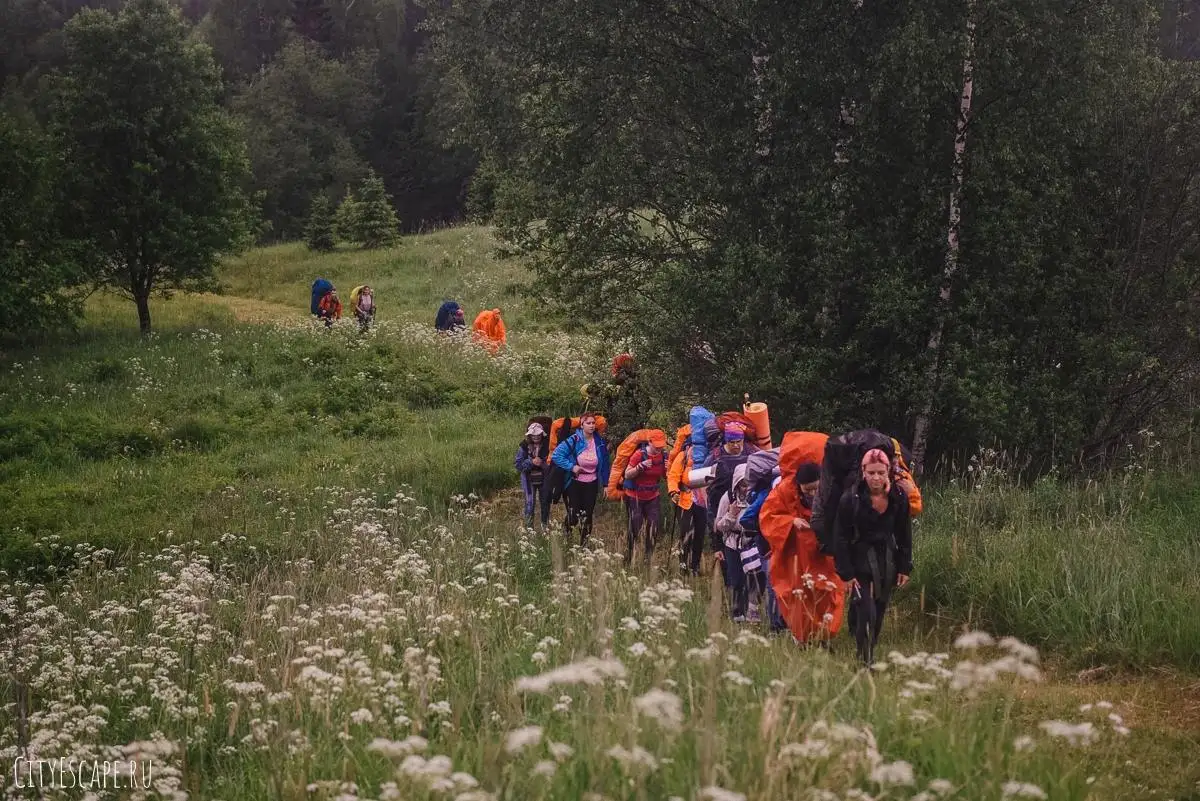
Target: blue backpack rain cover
[[320, 289], [445, 315], [698, 417]]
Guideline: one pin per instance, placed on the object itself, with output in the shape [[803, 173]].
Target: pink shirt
[[588, 463]]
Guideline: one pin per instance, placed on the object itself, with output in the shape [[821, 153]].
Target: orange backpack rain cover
[[811, 596]]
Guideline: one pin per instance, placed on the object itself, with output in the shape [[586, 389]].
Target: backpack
[[761, 469], [616, 475], [445, 315], [320, 288], [697, 419], [840, 469], [682, 436], [564, 427]]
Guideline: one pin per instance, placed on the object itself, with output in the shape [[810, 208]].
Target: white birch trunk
[[934, 347]]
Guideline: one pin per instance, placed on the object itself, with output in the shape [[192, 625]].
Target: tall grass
[[381, 655], [1103, 573]]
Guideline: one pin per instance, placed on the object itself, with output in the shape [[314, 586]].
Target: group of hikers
[[327, 306], [488, 329], [807, 533]]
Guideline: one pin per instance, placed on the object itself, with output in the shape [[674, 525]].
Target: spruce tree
[[345, 221], [318, 234], [377, 223]]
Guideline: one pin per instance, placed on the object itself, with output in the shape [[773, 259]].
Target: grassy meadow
[[280, 562]]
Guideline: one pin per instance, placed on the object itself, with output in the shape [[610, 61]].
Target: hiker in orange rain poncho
[[811, 596], [489, 330]]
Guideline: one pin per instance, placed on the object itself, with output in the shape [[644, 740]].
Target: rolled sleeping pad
[[757, 412], [701, 476]]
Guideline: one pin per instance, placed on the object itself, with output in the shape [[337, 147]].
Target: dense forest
[[971, 224]]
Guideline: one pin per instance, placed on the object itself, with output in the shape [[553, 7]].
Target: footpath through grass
[[270, 576]]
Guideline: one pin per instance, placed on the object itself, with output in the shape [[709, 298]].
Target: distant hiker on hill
[[330, 308], [872, 547], [489, 330], [362, 299], [450, 317], [533, 455], [320, 288]]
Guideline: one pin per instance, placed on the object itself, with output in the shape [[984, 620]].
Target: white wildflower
[[1022, 790], [561, 751], [545, 768], [663, 707], [637, 758], [974, 639], [1073, 733], [713, 793], [898, 773], [590, 671], [520, 739]]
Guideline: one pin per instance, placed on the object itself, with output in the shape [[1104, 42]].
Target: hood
[[739, 475]]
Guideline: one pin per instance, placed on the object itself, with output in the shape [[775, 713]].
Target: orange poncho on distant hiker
[[489, 330], [811, 596]]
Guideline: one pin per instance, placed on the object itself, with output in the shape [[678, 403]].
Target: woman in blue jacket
[[583, 456]]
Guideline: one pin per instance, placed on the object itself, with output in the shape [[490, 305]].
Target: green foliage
[[38, 268], [319, 232], [153, 168], [375, 219], [781, 228], [345, 220], [306, 118]]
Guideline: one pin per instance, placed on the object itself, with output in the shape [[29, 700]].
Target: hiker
[[330, 308], [872, 547], [490, 331], [840, 465], [532, 455], [741, 562], [450, 317], [810, 595], [692, 505], [732, 453], [362, 299], [762, 475], [320, 288], [646, 468], [583, 457]]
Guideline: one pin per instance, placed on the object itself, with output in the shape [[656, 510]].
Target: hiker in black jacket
[[872, 548]]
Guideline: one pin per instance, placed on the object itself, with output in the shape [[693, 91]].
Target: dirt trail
[[249, 310]]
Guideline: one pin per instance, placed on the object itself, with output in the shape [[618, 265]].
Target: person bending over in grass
[[872, 547], [583, 456], [647, 467]]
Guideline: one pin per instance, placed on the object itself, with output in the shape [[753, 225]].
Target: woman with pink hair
[[872, 547]]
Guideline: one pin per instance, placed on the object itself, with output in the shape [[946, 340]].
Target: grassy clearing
[[256, 567], [410, 280], [115, 439]]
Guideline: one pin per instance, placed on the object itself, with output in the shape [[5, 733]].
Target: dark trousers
[[642, 515], [875, 569], [693, 528], [581, 506]]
